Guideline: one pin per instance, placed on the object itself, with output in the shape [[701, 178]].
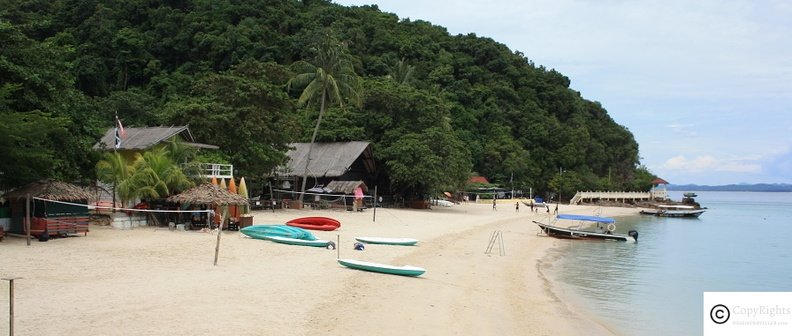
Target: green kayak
[[264, 231]]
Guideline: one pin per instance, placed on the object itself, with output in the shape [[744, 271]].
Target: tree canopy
[[437, 107]]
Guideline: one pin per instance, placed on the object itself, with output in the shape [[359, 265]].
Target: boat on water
[[674, 211], [387, 241], [604, 230], [315, 223], [405, 270]]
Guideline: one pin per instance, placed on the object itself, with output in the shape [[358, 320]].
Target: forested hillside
[[437, 107]]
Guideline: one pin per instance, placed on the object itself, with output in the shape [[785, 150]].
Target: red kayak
[[315, 223]]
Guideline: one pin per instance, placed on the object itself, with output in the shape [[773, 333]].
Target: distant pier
[[618, 196]]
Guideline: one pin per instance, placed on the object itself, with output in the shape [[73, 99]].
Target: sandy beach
[[153, 281]]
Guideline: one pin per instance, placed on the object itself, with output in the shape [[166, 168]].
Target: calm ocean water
[[655, 287]]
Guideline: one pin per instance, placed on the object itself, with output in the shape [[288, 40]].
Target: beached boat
[[674, 211], [301, 242], [315, 223], [604, 229], [277, 230], [387, 241], [405, 270]]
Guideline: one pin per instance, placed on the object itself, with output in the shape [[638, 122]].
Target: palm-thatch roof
[[51, 189], [142, 138], [329, 159], [346, 187], [208, 193]]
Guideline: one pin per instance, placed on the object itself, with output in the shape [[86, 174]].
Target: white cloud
[[710, 163]]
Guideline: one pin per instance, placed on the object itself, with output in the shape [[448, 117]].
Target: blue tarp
[[587, 218]]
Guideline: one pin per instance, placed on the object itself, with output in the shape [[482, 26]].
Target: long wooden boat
[[315, 223], [301, 242], [674, 211], [387, 241], [405, 270], [604, 230]]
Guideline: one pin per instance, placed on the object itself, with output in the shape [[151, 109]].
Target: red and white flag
[[120, 133]]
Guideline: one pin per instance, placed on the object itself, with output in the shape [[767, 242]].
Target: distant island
[[766, 187]]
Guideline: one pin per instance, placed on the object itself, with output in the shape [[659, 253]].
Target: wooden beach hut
[[60, 209], [342, 165]]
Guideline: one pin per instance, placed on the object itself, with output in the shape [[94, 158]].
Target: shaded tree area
[[437, 107]]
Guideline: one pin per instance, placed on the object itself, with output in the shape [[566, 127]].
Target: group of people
[[534, 208]]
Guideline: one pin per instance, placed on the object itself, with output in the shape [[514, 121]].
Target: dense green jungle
[[253, 76]]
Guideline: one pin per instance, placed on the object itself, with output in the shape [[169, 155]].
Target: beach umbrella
[[242, 191], [223, 184]]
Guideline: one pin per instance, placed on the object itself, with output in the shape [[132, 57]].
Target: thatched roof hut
[[47, 190], [50, 189], [209, 194]]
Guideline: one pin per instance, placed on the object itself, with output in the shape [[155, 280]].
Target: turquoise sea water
[[655, 286]]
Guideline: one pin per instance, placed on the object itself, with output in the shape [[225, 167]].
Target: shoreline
[[152, 281]]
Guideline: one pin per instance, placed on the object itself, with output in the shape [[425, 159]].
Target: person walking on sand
[[556, 209], [494, 204], [516, 206]]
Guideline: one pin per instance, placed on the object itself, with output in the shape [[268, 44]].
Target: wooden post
[[219, 231], [374, 219], [11, 304], [338, 246], [27, 219]]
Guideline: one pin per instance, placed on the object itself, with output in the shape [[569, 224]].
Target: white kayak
[[387, 241], [295, 241], [406, 270]]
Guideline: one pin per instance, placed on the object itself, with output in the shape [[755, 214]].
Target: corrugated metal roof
[[141, 138], [330, 159]]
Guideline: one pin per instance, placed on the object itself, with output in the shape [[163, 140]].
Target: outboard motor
[[634, 234]]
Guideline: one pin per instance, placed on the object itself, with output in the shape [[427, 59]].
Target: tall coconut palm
[[331, 78]]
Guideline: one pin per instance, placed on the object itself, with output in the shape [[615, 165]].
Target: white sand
[[151, 281]]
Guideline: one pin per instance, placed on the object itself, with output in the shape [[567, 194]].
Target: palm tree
[[331, 78], [401, 72], [156, 175], [113, 169]]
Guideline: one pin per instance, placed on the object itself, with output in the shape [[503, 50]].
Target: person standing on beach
[[556, 209], [516, 206], [494, 203]]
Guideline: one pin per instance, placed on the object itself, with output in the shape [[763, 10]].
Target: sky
[[705, 86]]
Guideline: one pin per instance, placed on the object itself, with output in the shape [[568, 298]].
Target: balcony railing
[[217, 170]]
